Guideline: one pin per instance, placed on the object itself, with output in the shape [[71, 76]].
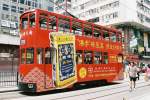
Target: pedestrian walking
[[132, 75]]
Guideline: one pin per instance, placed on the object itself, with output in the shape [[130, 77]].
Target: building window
[[82, 6], [21, 10], [50, 8], [36, 4], [40, 5], [96, 19], [29, 3], [13, 8], [143, 18], [33, 4], [143, 8], [106, 18], [147, 19], [5, 7], [14, 0], [147, 2], [99, 9], [21, 1]]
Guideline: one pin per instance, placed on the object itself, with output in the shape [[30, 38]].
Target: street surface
[[109, 92]]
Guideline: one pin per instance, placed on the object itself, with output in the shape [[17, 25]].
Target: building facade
[[10, 11], [132, 17], [62, 6]]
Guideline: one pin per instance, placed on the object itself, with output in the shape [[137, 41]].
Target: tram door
[[54, 64]]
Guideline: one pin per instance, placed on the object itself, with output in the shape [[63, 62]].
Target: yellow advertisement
[[65, 67]]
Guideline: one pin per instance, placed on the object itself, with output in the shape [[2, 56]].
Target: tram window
[[47, 56], [120, 58], [97, 57], [105, 58], [87, 30], [30, 56], [88, 57], [22, 56], [24, 23], [79, 57], [64, 25], [43, 22], [106, 35], [32, 20], [52, 23], [97, 32], [39, 56], [119, 37], [76, 28], [113, 37]]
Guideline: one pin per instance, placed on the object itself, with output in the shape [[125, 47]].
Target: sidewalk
[[8, 89]]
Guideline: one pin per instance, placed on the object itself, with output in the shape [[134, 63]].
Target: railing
[[8, 79]]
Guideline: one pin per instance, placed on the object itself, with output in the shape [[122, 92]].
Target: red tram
[[58, 51]]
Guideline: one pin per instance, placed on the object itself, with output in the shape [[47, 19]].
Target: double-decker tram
[[58, 51]]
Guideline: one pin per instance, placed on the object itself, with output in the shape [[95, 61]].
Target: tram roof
[[69, 17]]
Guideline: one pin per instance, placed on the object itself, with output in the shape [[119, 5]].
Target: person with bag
[[147, 73], [126, 70], [138, 73], [132, 75]]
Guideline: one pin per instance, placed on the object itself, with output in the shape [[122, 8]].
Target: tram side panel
[[92, 72]]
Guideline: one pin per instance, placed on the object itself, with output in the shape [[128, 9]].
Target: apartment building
[[10, 11], [132, 17]]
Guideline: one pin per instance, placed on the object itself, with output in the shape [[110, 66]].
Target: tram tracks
[[100, 93], [14, 94], [88, 94], [121, 91]]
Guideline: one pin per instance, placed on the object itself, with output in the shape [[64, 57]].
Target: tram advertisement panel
[[66, 61], [65, 70]]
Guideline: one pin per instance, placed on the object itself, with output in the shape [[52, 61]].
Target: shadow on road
[[75, 88]]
